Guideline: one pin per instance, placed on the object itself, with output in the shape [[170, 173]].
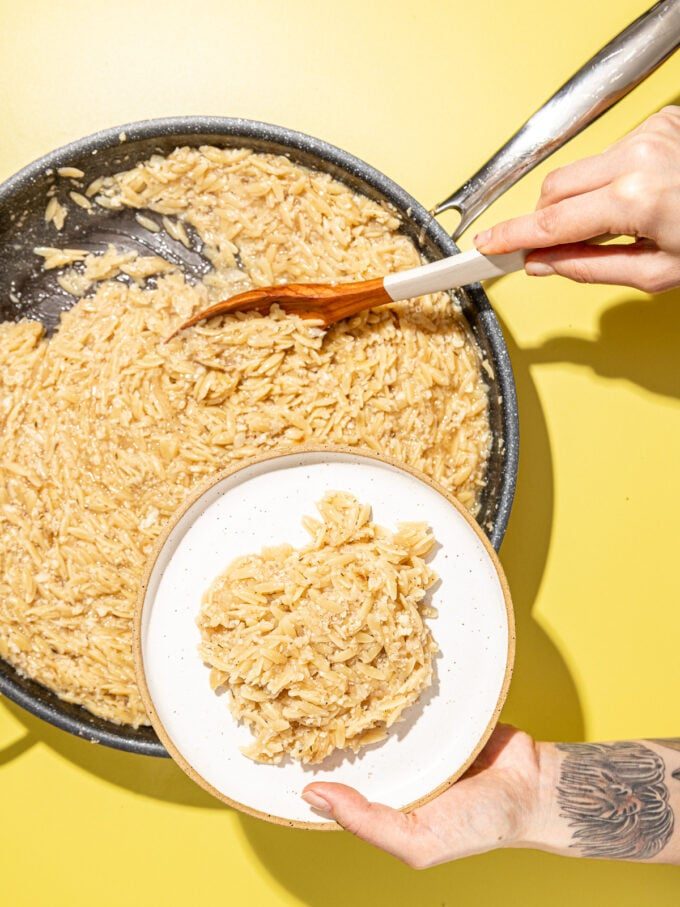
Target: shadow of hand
[[639, 341]]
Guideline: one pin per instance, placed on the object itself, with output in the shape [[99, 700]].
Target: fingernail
[[317, 802], [539, 268], [481, 239]]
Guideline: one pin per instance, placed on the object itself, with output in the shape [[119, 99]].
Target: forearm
[[616, 801]]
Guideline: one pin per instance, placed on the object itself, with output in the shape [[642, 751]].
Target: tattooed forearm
[[616, 800]]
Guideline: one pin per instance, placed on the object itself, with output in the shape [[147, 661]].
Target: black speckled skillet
[[27, 291]]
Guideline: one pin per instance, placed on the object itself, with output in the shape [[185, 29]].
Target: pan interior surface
[[27, 291]]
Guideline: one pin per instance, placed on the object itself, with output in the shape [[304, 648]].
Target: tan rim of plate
[[137, 633]]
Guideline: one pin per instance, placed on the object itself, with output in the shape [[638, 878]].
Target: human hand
[[496, 804], [632, 189], [616, 801]]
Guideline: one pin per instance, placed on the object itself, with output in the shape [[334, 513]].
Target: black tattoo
[[672, 743], [616, 800]]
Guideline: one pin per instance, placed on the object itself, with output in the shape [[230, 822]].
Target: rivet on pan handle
[[621, 65]]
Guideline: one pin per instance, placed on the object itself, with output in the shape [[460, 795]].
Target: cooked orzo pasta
[[104, 429], [324, 647]]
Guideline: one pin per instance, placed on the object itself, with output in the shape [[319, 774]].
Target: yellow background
[[425, 91]]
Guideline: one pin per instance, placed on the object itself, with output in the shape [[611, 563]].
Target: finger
[[639, 265], [638, 150], [658, 120], [379, 825], [581, 176], [463, 820], [571, 220], [498, 741]]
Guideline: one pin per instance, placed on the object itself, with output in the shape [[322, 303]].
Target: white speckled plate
[[262, 503]]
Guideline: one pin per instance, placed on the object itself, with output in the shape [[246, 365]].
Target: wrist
[[542, 821]]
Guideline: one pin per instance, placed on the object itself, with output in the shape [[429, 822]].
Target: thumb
[[380, 825]]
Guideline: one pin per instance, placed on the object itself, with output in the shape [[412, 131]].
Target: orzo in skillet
[[104, 428]]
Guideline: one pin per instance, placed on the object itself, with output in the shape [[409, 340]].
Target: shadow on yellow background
[[150, 777], [637, 341]]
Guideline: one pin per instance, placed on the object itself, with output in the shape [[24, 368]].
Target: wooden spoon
[[328, 303]]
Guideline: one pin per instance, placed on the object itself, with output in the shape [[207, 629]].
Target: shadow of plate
[[333, 870]]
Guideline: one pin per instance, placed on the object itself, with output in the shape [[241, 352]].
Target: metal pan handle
[[621, 65]]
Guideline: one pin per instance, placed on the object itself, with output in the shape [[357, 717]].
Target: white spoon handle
[[449, 273]]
